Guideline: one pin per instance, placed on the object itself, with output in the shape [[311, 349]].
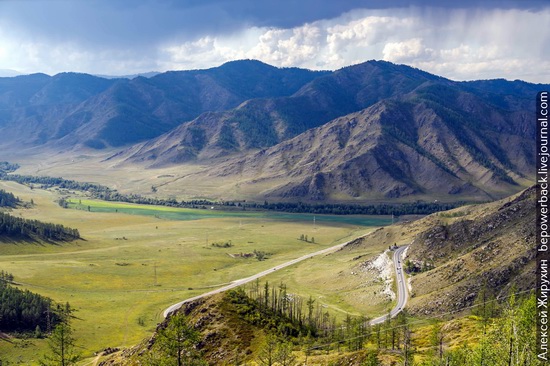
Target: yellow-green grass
[[129, 268], [338, 282]]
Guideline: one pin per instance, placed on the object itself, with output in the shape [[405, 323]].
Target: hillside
[[393, 149], [456, 256], [68, 109], [491, 247], [261, 123], [373, 131]]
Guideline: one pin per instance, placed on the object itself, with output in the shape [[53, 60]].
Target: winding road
[[402, 288], [402, 291]]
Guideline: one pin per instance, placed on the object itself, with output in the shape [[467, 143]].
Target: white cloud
[[288, 47], [368, 30], [459, 44], [407, 51]]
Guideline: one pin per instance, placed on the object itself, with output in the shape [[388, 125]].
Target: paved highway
[[402, 288], [242, 281]]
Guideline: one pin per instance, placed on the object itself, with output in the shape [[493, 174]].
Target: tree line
[[107, 194], [48, 182], [16, 227], [295, 323], [413, 208], [292, 317], [37, 316], [8, 167]]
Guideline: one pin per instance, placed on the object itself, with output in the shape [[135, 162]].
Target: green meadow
[[136, 260], [173, 213]]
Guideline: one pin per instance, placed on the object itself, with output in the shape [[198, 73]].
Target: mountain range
[[84, 110], [375, 130]]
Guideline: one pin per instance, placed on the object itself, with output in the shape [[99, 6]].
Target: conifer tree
[[177, 342], [61, 344]]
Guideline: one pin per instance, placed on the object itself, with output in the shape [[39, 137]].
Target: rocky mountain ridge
[[372, 131], [71, 110]]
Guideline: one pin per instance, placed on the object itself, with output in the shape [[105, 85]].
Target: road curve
[[242, 281], [402, 290]]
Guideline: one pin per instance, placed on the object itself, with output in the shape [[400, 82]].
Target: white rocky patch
[[383, 267]]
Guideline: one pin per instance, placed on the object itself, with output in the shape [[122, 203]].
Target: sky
[[460, 40]]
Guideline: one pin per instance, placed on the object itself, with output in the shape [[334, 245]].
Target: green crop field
[[135, 260]]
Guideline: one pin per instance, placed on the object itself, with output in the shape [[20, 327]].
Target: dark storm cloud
[[145, 21], [132, 22]]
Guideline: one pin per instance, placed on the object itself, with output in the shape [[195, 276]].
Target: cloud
[[408, 51], [130, 22], [466, 43], [288, 47], [460, 44], [481, 44]]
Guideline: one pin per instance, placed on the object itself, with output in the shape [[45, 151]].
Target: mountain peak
[[246, 63], [415, 126]]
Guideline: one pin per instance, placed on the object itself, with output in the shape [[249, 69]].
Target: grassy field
[[339, 282], [134, 263], [173, 213]]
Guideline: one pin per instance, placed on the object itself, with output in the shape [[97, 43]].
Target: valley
[[128, 268], [223, 152], [130, 265]]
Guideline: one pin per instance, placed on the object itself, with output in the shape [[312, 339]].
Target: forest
[[16, 227], [24, 311]]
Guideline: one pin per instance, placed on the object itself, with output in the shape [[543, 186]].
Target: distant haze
[[8, 73]]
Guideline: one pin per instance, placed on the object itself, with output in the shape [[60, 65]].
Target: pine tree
[[371, 360], [177, 341], [267, 354], [283, 354], [62, 347]]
